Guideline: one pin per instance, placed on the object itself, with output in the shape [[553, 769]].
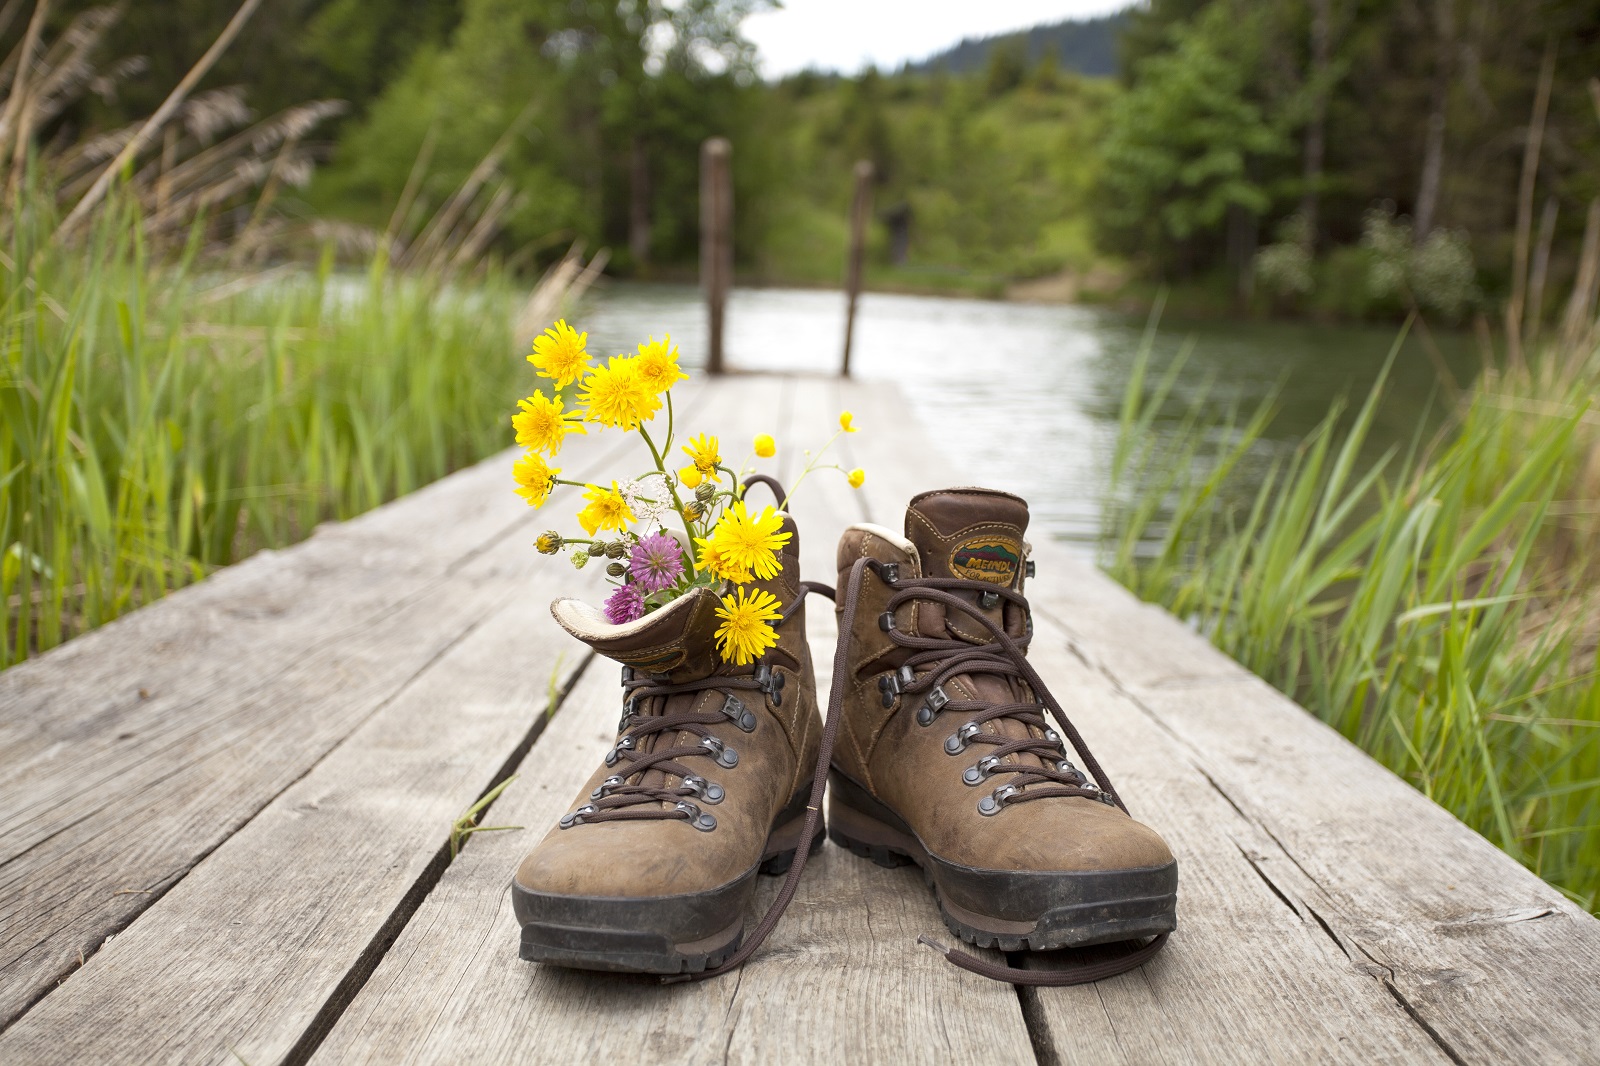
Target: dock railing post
[[716, 241], [860, 215]]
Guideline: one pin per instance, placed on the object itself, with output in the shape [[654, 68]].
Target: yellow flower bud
[[856, 477], [690, 476], [766, 447], [844, 422]]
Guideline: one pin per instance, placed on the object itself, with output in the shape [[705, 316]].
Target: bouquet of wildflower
[[725, 546]]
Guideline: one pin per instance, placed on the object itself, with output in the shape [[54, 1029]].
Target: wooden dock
[[224, 825]]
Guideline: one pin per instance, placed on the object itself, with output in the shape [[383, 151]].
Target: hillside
[[1086, 46]]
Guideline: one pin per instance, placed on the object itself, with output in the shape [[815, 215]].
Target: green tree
[[1187, 145], [607, 104]]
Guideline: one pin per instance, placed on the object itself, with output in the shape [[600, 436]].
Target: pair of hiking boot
[[942, 747]]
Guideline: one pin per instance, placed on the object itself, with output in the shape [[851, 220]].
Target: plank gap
[[1433, 1034], [355, 978], [1033, 1019], [1276, 891], [155, 893]]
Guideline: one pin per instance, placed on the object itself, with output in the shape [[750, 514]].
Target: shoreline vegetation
[[180, 387], [1440, 606]]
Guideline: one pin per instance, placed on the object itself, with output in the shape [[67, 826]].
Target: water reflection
[[1025, 397]]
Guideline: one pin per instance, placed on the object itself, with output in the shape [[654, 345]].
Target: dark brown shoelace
[[1004, 656], [623, 796]]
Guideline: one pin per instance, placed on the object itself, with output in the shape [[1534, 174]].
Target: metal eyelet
[[979, 773], [576, 817], [727, 758], [1052, 736], [700, 820], [622, 745], [709, 791], [886, 621], [988, 600], [1065, 767], [739, 714], [606, 786], [935, 702], [956, 742], [1031, 568], [627, 674], [771, 682], [890, 572], [995, 801], [890, 688]]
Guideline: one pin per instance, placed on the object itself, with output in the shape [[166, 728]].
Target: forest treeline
[[1341, 157]]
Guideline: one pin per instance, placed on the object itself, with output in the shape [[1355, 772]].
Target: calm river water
[[1025, 397]]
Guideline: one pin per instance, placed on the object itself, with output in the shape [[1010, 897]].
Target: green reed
[[157, 422], [1436, 606]]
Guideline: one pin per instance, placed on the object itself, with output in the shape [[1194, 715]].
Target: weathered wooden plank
[[842, 975], [1479, 989], [1248, 976], [1488, 958], [1483, 957], [248, 679], [241, 955]]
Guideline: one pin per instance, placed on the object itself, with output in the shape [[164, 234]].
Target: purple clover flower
[[625, 605], [656, 563]]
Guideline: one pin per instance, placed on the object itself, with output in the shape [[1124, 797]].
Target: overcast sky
[[846, 35]]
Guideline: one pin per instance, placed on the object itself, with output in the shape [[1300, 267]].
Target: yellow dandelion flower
[[540, 424], [616, 396], [658, 365], [746, 630], [690, 476], [856, 477], [535, 479], [713, 560], [560, 354], [607, 509], [750, 542], [704, 451], [845, 420], [766, 446]]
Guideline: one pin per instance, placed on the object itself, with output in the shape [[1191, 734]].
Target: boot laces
[[937, 661], [623, 796], [1004, 649]]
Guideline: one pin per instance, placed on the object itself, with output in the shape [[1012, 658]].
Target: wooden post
[[860, 215], [716, 241]]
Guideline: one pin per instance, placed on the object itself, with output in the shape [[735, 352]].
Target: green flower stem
[[677, 504], [812, 465]]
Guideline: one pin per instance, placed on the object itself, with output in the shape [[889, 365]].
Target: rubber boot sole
[[1012, 910], [687, 933]]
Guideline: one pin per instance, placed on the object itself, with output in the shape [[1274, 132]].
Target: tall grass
[[1436, 606], [157, 422]]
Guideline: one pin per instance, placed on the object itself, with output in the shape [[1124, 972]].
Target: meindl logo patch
[[989, 558], [658, 663]]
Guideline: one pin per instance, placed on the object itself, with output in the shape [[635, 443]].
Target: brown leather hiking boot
[[707, 785], [946, 755]]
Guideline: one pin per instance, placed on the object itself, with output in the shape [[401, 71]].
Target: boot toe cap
[[1070, 835], [625, 860]]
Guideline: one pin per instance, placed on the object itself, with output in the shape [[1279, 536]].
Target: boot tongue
[[676, 642], [969, 533], [975, 534]]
